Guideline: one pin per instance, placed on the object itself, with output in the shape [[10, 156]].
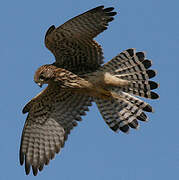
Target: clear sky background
[[93, 151]]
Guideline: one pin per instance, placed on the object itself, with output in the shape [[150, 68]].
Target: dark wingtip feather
[[153, 85], [74, 123], [27, 168], [151, 73], [78, 118], [50, 29], [25, 110], [99, 7], [154, 95], [147, 63], [21, 158], [110, 19], [82, 113], [104, 28], [41, 167], [52, 154], [111, 13], [108, 12], [34, 170], [27, 107], [108, 9], [47, 160], [141, 56], [57, 149]]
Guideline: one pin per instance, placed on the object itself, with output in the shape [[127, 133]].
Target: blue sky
[[93, 151]]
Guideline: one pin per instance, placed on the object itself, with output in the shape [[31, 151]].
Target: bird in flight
[[75, 80]]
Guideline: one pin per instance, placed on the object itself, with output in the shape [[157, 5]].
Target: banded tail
[[125, 111]]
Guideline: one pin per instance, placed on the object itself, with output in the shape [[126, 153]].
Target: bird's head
[[44, 74]]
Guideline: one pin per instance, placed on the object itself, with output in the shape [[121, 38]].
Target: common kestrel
[[76, 79]]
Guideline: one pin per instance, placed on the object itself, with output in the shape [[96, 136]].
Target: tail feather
[[142, 88], [121, 60], [134, 124], [138, 75], [136, 101], [133, 67], [120, 114], [141, 92], [144, 85], [123, 111], [126, 59]]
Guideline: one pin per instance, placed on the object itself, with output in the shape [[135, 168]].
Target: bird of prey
[[75, 80]]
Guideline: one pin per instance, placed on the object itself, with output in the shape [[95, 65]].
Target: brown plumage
[[76, 79]]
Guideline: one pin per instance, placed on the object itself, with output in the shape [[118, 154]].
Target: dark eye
[[41, 77]]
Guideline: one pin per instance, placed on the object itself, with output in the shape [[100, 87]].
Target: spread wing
[[72, 43], [52, 114]]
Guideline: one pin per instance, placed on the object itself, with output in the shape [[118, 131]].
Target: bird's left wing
[[52, 114], [72, 43]]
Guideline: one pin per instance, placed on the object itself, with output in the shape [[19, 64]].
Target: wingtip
[[109, 9], [27, 168], [24, 110], [97, 8], [34, 170], [100, 7], [50, 29], [21, 159], [41, 167]]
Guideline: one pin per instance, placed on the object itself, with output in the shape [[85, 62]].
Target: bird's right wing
[[52, 114]]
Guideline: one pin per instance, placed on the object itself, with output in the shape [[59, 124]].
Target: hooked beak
[[39, 84]]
